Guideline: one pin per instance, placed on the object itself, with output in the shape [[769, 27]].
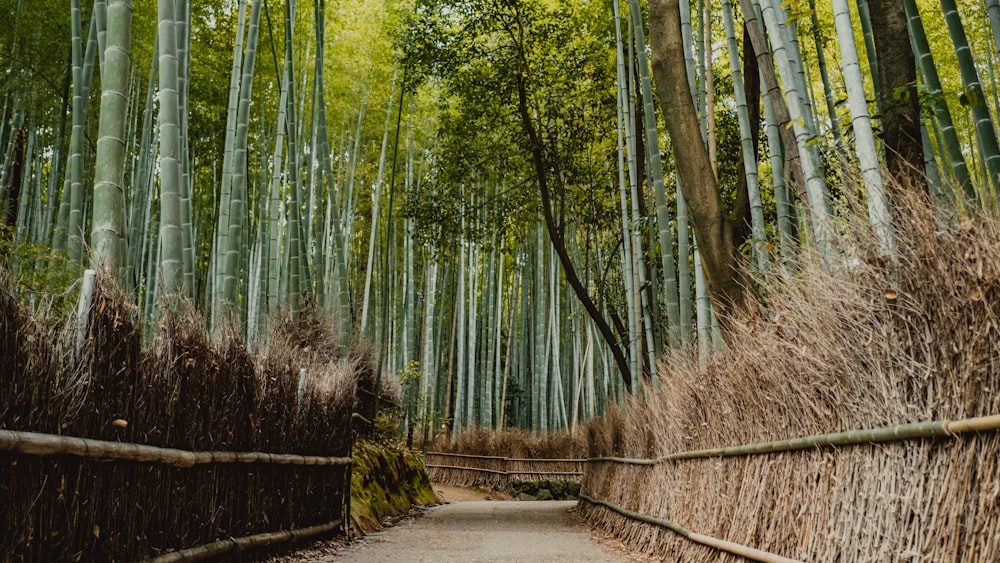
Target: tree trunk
[[897, 76], [712, 228]]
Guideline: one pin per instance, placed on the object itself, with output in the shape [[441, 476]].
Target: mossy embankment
[[387, 481]]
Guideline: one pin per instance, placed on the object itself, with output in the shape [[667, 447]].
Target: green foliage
[[475, 51], [42, 277]]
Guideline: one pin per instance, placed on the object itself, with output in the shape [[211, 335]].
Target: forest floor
[[475, 525]]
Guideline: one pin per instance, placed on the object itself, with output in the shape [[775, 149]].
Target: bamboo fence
[[864, 342], [897, 433], [499, 473], [120, 451]]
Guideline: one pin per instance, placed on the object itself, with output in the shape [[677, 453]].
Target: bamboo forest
[[641, 235]]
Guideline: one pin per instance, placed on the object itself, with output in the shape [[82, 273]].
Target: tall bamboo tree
[[108, 235], [878, 212], [974, 95], [171, 239]]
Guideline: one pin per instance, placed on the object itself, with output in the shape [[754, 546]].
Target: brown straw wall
[[867, 344], [184, 391]]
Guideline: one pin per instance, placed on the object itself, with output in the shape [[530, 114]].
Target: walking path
[[486, 531], [481, 531]]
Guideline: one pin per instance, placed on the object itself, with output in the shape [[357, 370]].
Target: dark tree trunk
[[897, 75], [556, 232], [723, 268], [11, 193]]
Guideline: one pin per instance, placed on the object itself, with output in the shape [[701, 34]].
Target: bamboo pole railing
[[458, 467], [255, 541], [720, 544], [445, 454], [37, 444], [900, 432], [502, 472]]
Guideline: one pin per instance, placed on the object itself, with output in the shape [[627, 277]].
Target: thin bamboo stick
[[227, 545], [33, 443], [720, 544]]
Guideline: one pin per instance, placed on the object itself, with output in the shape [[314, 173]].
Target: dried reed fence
[[494, 460], [498, 473], [870, 344], [120, 452]]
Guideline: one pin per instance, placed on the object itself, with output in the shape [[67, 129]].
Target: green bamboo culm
[[664, 225], [171, 276], [292, 241], [974, 96], [820, 209], [107, 236], [628, 247], [758, 228], [831, 106], [65, 237], [864, 137], [939, 107], [235, 244], [222, 228], [341, 251]]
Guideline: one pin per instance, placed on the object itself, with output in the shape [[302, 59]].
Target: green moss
[[387, 481]]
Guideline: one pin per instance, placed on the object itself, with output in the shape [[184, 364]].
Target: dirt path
[[473, 529]]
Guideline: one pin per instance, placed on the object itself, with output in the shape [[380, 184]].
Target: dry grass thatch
[[513, 443], [867, 345], [186, 391]]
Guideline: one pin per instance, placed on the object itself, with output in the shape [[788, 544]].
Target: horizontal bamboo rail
[[623, 460], [467, 456], [500, 472], [926, 429], [37, 444], [227, 545], [568, 460], [563, 473], [720, 544], [479, 469]]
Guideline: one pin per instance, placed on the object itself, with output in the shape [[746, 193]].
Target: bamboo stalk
[[720, 544], [33, 443], [227, 545]]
